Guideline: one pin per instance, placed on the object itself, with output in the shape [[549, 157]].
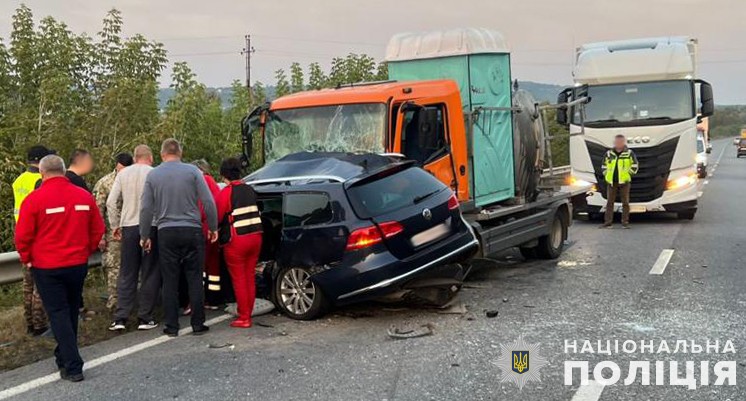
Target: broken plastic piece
[[422, 331]]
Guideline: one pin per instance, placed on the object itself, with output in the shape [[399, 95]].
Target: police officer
[[620, 164], [58, 228], [111, 254], [33, 311]]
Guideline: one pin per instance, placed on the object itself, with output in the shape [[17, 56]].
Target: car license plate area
[[431, 234], [637, 209]]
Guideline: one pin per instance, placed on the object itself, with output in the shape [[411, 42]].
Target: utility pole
[[247, 51]]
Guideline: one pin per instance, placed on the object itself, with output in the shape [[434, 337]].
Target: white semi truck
[[646, 90]]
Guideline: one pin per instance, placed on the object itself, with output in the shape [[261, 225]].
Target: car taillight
[[369, 236], [453, 202]]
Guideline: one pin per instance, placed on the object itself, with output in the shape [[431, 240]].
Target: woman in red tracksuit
[[241, 237]]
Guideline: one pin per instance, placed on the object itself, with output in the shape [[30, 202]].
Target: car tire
[[551, 245], [528, 253], [686, 215], [297, 296]]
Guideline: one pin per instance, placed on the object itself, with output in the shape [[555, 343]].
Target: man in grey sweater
[[136, 266], [170, 200]]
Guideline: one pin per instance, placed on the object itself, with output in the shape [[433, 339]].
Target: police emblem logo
[[521, 362]]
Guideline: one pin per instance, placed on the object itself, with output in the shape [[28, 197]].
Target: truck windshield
[[647, 103], [336, 128]]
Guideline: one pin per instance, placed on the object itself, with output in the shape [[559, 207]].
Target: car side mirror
[[706, 97], [563, 112]]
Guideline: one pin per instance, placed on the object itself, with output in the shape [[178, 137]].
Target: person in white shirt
[[136, 265]]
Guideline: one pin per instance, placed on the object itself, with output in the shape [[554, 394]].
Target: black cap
[[38, 152], [125, 159]]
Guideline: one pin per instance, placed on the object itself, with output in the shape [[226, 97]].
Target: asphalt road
[[600, 289]]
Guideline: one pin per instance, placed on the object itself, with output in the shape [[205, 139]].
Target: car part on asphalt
[[401, 334]]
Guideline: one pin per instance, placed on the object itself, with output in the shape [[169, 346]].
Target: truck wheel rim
[[297, 291], [556, 234]]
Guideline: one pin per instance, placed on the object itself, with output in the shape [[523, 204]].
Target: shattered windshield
[[337, 128]]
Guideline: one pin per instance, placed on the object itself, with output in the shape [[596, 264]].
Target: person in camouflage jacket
[[110, 259]]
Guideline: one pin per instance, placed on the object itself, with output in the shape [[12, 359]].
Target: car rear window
[[393, 192]]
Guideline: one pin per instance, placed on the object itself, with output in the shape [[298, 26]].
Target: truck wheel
[[297, 296], [686, 215], [551, 245], [528, 253]]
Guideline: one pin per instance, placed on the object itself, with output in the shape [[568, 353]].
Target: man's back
[[171, 195], [128, 186], [59, 226]]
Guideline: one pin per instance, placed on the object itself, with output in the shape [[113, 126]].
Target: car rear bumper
[[382, 273]]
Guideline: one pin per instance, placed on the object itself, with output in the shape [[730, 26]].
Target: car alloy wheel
[[297, 291]]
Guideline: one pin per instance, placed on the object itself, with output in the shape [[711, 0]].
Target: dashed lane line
[[660, 265], [590, 392], [36, 383]]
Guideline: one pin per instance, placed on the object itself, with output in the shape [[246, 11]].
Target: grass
[[18, 349]]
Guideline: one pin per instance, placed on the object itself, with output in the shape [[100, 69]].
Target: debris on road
[[505, 300], [529, 306], [697, 282], [491, 313], [260, 324], [454, 309], [400, 334], [220, 346]]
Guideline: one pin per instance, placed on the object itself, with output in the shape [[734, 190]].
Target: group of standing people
[[164, 226]]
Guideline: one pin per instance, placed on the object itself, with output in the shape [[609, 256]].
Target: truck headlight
[[578, 183], [681, 182]]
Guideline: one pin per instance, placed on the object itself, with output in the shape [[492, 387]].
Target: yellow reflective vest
[[627, 164], [22, 186]]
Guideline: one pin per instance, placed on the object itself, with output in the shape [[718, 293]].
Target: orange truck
[[451, 107]]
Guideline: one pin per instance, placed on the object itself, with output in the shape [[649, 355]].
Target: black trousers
[[60, 290], [182, 249], [138, 266]]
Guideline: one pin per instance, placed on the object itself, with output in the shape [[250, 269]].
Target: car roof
[[306, 168]]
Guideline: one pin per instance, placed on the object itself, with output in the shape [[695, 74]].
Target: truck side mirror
[[428, 128], [248, 124], [708, 101], [563, 112]]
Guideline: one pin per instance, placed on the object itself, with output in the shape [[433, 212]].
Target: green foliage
[[282, 87], [727, 121], [296, 78]]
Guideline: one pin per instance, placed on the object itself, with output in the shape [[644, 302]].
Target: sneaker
[[241, 323], [626, 226], [171, 332], [77, 377], [147, 325], [39, 332], [605, 225], [118, 325], [211, 307], [198, 331], [187, 311]]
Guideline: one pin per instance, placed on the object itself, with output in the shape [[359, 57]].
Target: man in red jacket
[[58, 229]]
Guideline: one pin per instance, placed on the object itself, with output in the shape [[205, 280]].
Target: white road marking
[[699, 194], [50, 378], [707, 182], [660, 265], [590, 392]]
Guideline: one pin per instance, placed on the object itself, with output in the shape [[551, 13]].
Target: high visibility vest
[[627, 166], [22, 186]]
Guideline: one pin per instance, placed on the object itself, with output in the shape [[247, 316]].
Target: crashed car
[[341, 228]]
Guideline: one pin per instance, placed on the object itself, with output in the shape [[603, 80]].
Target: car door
[[312, 233]]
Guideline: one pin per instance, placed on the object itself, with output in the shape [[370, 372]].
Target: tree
[[260, 94], [296, 78], [316, 77], [282, 87]]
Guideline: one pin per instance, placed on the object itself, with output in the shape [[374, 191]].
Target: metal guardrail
[[10, 265]]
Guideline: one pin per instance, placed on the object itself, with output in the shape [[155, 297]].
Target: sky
[[209, 34]]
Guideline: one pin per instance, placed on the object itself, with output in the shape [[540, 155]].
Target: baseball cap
[[38, 152]]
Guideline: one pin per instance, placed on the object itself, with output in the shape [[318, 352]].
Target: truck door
[[421, 134]]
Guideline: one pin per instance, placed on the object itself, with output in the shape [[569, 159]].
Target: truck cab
[[422, 119], [646, 90]]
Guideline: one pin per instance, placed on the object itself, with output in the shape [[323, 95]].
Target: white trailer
[[644, 89]]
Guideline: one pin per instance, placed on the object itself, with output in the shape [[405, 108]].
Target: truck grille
[[650, 181]]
